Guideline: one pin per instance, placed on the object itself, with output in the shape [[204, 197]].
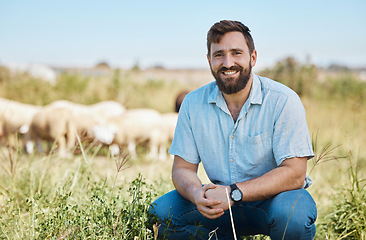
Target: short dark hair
[[218, 30]]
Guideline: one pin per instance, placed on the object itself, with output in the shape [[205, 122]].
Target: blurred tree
[[102, 66], [298, 77]]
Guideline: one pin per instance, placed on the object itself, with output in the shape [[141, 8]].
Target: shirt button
[[231, 160], [232, 136]]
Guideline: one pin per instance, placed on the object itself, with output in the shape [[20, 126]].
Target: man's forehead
[[230, 41]]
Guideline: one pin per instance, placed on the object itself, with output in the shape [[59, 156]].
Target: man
[[251, 135]]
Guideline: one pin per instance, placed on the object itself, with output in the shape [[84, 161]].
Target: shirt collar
[[255, 96]]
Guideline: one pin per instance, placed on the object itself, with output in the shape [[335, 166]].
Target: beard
[[233, 84]]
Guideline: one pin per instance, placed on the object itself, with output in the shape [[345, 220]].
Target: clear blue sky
[[173, 33]]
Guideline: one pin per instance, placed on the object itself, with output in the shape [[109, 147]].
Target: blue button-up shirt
[[271, 127]]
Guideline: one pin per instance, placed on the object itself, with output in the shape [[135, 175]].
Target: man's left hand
[[219, 193]]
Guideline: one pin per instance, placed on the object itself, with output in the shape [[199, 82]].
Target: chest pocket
[[258, 150]]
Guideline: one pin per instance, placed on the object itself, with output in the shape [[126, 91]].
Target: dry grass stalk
[[156, 227], [231, 214], [325, 155]]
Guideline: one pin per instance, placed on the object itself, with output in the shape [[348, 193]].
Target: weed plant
[[75, 206]]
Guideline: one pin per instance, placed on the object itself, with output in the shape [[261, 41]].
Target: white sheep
[[55, 125], [136, 127], [144, 126], [104, 108], [15, 118], [108, 108], [91, 120], [167, 129], [168, 124]]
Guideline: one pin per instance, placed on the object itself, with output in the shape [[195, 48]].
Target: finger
[[209, 186], [212, 213], [210, 202]]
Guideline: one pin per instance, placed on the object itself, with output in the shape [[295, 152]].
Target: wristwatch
[[236, 194]]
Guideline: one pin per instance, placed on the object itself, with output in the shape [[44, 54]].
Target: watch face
[[236, 195]]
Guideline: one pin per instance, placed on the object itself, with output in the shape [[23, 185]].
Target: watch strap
[[233, 186]]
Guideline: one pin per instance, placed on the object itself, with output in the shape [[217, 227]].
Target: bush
[[344, 87], [102, 214]]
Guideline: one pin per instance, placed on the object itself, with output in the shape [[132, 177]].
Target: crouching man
[[250, 134]]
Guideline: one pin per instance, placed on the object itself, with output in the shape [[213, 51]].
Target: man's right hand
[[204, 205], [187, 183]]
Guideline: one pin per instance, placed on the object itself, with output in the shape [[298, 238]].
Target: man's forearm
[[286, 177], [186, 182], [185, 179]]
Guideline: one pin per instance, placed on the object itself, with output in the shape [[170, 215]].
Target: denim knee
[[169, 211], [293, 215]]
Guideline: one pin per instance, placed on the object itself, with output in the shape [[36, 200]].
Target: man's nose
[[228, 61]]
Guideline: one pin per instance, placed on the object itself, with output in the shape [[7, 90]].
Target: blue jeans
[[288, 215]]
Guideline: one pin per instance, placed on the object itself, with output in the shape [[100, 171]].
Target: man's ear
[[208, 59], [253, 58]]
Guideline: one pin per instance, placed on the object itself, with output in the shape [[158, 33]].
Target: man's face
[[231, 62]]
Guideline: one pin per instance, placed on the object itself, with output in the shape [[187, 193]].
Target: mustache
[[233, 68]]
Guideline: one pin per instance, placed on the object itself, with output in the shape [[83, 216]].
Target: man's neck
[[236, 101]]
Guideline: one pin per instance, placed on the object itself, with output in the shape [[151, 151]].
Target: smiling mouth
[[227, 73]]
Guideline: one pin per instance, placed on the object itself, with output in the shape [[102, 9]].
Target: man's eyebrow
[[218, 51], [231, 50], [236, 50]]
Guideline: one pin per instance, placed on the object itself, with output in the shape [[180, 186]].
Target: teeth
[[229, 73]]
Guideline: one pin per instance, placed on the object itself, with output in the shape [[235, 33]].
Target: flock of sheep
[[109, 123]]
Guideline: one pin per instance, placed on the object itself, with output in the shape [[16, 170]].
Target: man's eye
[[237, 53]]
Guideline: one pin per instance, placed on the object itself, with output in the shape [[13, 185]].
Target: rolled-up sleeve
[[183, 143], [291, 134]]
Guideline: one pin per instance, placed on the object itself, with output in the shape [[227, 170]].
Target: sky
[[172, 34]]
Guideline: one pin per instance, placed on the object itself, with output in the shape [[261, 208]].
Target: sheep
[[104, 108], [138, 126], [53, 124], [167, 129], [15, 118], [135, 127], [168, 124], [90, 120], [108, 108]]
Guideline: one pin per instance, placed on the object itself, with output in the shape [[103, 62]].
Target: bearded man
[[250, 134]]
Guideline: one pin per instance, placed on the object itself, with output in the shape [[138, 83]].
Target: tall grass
[[97, 196], [346, 217], [47, 199]]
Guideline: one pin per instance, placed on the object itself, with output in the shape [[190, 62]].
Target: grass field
[[99, 197]]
